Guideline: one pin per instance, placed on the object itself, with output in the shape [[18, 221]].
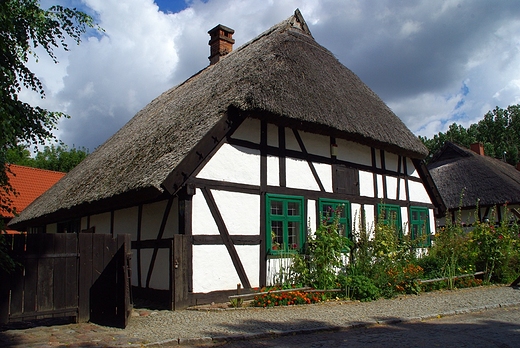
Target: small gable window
[[285, 224]]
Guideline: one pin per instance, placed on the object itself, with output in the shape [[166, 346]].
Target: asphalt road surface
[[491, 328]]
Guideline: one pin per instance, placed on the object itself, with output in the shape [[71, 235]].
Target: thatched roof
[[283, 75], [458, 171]]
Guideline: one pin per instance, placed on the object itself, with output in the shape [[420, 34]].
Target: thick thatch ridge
[[282, 73], [458, 171]]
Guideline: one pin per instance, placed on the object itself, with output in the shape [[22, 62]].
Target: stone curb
[[331, 328]]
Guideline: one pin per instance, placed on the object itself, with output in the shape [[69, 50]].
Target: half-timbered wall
[[223, 211], [259, 159]]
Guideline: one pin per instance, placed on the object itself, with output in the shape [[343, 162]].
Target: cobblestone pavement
[[189, 327], [499, 327]]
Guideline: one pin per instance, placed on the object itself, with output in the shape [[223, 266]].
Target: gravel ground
[[163, 326], [167, 328]]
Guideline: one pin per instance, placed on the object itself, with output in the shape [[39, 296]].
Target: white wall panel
[[101, 222], [152, 217], [240, 211], [391, 187], [276, 267], [290, 141], [250, 258], [202, 219], [391, 161], [380, 188], [272, 135], [325, 174], [418, 192], [213, 269], [311, 215], [404, 220], [366, 184], [411, 168], [402, 190], [370, 218], [299, 175], [273, 171], [160, 278], [125, 222], [316, 144], [433, 228], [355, 216], [233, 164], [353, 152], [249, 130]]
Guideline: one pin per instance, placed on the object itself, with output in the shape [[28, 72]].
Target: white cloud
[[416, 56]]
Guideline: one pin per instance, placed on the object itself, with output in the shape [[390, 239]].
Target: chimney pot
[[221, 42], [478, 148]]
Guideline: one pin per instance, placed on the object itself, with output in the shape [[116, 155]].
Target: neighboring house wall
[[230, 193], [468, 216]]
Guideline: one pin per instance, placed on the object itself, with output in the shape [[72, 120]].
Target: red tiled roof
[[30, 183]]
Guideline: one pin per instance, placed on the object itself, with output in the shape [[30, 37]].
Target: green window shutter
[[329, 208], [420, 226], [390, 214], [285, 224]]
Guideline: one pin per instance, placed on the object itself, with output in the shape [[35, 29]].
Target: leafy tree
[[60, 158], [24, 26], [499, 131]]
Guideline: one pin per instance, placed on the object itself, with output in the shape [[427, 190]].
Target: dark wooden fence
[[84, 276]]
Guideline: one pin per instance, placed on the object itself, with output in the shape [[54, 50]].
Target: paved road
[[491, 328]]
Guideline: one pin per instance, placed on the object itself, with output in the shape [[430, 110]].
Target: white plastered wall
[[125, 222], [366, 184], [418, 192], [152, 216], [235, 164], [353, 152], [299, 175], [213, 268], [101, 222]]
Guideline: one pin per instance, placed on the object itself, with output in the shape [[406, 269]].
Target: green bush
[[359, 287]]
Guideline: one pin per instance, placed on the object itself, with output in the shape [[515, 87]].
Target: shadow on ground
[[469, 330]]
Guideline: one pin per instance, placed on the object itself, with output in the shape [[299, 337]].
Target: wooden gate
[[85, 276]]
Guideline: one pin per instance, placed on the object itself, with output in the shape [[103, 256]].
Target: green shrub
[[359, 287]]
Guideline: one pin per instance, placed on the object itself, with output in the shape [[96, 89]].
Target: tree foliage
[[499, 131], [60, 158], [24, 26]]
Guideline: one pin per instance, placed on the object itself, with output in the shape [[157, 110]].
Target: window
[[285, 224], [330, 207], [390, 214], [420, 226]]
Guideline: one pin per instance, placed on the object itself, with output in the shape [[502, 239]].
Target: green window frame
[[390, 214], [420, 226], [285, 224], [328, 209]]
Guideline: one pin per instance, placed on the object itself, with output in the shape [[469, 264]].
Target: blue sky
[[171, 5], [432, 62]]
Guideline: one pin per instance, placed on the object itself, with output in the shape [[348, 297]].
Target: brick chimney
[[478, 148], [221, 42]]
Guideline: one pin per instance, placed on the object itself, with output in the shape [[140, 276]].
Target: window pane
[[293, 235], [293, 208], [415, 215], [276, 208], [276, 235], [327, 209]]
